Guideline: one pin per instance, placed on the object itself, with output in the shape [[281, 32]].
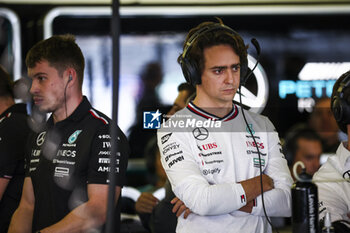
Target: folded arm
[[278, 200]]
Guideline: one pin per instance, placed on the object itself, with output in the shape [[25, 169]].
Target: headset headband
[[202, 31]]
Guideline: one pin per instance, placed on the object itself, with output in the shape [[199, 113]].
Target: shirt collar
[[82, 109], [18, 108], [198, 111]]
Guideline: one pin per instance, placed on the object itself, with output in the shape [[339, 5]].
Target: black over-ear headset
[[340, 103], [190, 69]]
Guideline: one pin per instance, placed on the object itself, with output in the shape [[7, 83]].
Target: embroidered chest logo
[[200, 133], [250, 129], [41, 138], [72, 138]]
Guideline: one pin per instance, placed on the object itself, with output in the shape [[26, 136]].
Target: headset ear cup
[[195, 73], [344, 112], [185, 70], [190, 71], [337, 108]]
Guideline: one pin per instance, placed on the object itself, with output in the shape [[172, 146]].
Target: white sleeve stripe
[[94, 114]]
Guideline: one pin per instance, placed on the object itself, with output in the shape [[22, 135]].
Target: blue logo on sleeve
[[151, 120]]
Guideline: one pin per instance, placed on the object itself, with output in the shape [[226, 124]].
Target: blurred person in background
[[333, 178], [156, 215], [14, 132], [323, 122], [148, 100], [303, 144]]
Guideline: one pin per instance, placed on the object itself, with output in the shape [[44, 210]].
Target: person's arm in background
[[3, 184], [21, 221], [144, 207], [88, 215], [145, 203]]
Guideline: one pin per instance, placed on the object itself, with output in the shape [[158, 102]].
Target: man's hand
[[145, 203], [252, 186], [248, 207], [180, 207], [267, 182]]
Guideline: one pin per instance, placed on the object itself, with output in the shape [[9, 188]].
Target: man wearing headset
[[67, 170], [334, 195], [211, 155]]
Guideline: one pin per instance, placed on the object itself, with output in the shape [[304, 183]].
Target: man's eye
[[236, 68], [218, 71]]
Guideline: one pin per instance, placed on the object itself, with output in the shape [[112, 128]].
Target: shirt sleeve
[[334, 204], [188, 183], [99, 165], [278, 200], [333, 197], [12, 142]]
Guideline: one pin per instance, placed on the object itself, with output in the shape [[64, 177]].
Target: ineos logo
[[346, 175], [200, 133], [41, 138]]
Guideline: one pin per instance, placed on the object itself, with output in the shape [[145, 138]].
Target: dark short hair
[[210, 39], [186, 87], [297, 132], [6, 84], [61, 51]]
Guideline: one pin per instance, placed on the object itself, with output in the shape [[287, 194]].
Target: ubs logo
[[41, 138], [200, 133], [210, 146]]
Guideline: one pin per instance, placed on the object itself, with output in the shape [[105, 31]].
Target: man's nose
[[33, 88], [229, 77]]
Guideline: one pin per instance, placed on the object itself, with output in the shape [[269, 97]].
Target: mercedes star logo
[[200, 133], [41, 138], [346, 175]]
